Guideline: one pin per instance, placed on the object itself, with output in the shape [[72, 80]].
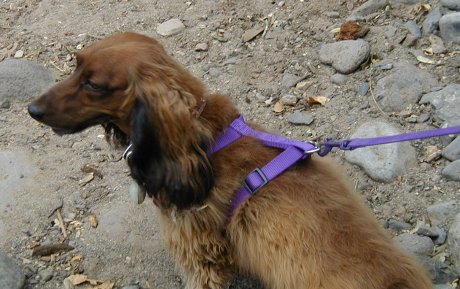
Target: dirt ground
[[125, 247]]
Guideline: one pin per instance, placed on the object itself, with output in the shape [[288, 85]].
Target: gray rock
[[298, 117], [454, 241], [398, 226], [427, 231], [382, 163], [339, 78], [451, 4], [452, 171], [413, 28], [363, 88], [431, 22], [447, 139], [332, 14], [424, 117], [432, 267], [385, 66], [403, 87], [443, 212], [445, 102], [345, 56], [441, 238], [23, 79], [46, 274], [409, 41], [289, 80], [438, 235], [252, 33], [289, 99], [201, 47], [170, 27], [437, 44], [443, 286], [449, 26], [11, 276], [418, 245], [369, 7], [452, 151]]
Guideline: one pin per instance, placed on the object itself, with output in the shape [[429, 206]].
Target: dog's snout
[[35, 112]]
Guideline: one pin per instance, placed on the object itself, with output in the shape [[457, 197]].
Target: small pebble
[[385, 66], [288, 99], [363, 88], [201, 47], [289, 80], [424, 117], [413, 28], [19, 54], [332, 14], [339, 78], [46, 274], [398, 226], [300, 118], [412, 119]]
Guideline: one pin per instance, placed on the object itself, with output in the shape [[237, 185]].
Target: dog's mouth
[[81, 126], [62, 131]]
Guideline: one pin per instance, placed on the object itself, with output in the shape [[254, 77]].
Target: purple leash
[[295, 150], [351, 144]]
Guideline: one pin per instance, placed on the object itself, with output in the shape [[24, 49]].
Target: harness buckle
[[261, 175]]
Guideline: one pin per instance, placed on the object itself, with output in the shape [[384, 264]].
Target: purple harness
[[294, 150]]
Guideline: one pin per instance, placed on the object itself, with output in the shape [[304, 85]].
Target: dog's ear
[[169, 150]]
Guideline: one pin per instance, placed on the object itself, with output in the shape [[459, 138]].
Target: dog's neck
[[218, 113]]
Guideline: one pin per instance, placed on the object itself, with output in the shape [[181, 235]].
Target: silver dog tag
[[136, 193]]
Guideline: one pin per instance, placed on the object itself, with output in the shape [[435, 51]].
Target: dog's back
[[308, 229]]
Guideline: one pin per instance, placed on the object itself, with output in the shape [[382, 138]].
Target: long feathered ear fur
[[169, 146]]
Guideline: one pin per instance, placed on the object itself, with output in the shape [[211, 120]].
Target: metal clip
[[128, 152], [315, 148]]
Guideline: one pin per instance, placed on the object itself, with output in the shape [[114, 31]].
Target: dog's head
[[129, 84]]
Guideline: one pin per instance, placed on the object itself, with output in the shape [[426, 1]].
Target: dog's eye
[[92, 86]]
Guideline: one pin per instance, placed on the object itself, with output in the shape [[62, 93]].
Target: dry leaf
[[86, 179], [93, 220], [105, 285], [278, 108], [92, 169], [428, 51], [423, 59], [321, 100], [78, 279], [335, 30], [351, 30]]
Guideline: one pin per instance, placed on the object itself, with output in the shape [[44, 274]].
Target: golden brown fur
[[305, 229]]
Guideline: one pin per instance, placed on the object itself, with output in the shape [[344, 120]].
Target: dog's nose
[[35, 112]]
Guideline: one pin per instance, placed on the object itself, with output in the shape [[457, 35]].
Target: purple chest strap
[[294, 151]]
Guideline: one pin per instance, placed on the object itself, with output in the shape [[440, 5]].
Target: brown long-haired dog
[[305, 229]]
